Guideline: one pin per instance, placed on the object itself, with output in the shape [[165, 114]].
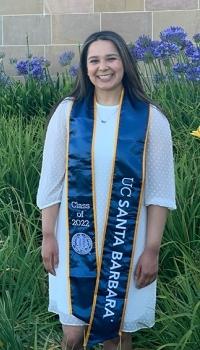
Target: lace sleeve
[[53, 163], [160, 182]]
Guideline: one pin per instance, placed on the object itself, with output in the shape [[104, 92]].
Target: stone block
[[68, 6], [37, 27], [18, 52], [154, 5], [52, 53], [118, 5], [10, 7], [128, 25], [190, 21], [74, 28]]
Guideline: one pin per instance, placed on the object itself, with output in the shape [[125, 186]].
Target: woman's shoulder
[[65, 103], [60, 112], [63, 106], [157, 117], [159, 127]]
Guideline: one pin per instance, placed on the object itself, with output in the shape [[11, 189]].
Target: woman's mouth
[[104, 77]]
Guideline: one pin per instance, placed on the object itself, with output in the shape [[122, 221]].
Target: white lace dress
[[159, 190]]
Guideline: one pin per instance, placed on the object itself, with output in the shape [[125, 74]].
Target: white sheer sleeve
[[54, 157], [160, 182]]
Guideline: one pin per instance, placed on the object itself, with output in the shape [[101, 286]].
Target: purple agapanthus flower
[[36, 67], [189, 71], [175, 35], [166, 50], [196, 56], [33, 67], [193, 73], [190, 49], [66, 58], [196, 38], [144, 49], [179, 68], [193, 53], [73, 70], [22, 67], [144, 41]]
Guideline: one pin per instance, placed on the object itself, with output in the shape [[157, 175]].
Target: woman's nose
[[103, 65]]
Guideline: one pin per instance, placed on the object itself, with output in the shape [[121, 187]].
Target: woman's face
[[104, 66]]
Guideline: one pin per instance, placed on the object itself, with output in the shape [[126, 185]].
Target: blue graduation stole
[[98, 287]]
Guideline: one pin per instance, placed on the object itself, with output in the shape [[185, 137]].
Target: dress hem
[[137, 325]]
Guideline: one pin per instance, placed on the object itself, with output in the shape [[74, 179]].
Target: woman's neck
[[108, 98]]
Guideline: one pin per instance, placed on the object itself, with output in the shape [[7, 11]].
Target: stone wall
[[54, 26]]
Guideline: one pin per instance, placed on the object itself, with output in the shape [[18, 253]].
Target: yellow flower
[[196, 132]]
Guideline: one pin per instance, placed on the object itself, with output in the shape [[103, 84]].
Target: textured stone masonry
[[54, 26]]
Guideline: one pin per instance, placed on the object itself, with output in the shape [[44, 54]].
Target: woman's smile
[[105, 77]]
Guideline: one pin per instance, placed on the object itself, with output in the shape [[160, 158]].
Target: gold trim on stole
[[105, 224], [136, 226], [68, 287], [93, 186]]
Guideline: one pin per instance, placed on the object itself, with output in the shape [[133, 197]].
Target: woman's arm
[[51, 183], [159, 194], [49, 241], [49, 216], [156, 219], [147, 266]]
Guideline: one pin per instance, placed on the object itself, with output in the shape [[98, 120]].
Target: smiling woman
[[105, 189]]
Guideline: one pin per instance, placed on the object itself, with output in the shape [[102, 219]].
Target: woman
[[106, 185]]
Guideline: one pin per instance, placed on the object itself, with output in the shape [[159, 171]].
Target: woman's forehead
[[102, 47]]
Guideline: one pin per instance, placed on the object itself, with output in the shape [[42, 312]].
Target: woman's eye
[[93, 61], [111, 58]]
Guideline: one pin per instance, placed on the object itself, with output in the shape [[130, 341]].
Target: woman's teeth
[[105, 77]]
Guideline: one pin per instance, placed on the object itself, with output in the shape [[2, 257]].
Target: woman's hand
[[147, 268], [50, 253]]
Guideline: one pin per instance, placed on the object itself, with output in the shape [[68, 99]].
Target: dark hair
[[131, 79]]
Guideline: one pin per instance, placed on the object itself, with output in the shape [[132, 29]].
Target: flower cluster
[[166, 49], [66, 58], [144, 48], [191, 68], [175, 35], [193, 53], [73, 70], [34, 67], [192, 73], [147, 50], [174, 48]]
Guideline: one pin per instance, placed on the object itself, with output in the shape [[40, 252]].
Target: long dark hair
[[131, 79]]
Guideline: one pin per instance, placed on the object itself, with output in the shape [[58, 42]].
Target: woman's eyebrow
[[108, 55]]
